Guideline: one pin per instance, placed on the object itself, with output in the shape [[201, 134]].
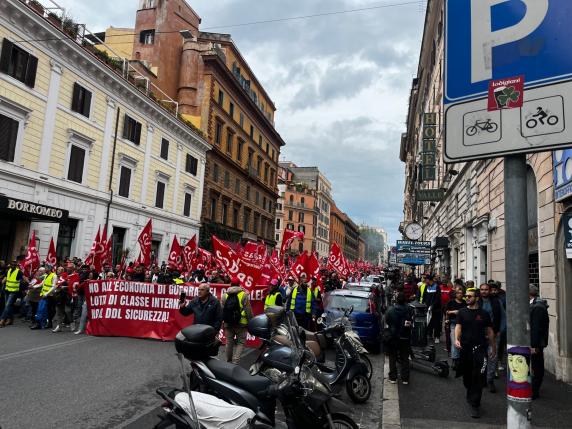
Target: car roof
[[351, 292]]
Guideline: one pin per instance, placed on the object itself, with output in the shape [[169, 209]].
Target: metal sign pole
[[516, 267]]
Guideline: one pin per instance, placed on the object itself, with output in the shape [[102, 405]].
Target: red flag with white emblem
[[175, 260], [51, 257], [145, 244], [32, 261]]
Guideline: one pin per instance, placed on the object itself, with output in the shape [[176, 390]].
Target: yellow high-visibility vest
[[12, 282], [308, 300], [47, 285], [271, 299], [421, 292]]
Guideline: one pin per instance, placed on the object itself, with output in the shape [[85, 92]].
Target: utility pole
[[516, 268]]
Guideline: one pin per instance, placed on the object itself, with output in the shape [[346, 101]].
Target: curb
[[391, 416]]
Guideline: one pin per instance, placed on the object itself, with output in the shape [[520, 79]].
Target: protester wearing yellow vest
[[235, 330], [274, 296], [303, 303], [47, 293], [11, 291]]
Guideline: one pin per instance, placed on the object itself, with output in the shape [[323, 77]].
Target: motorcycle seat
[[238, 376]]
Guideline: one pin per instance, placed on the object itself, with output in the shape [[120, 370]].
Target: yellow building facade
[[81, 143]]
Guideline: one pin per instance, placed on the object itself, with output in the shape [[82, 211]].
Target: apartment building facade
[[82, 147], [461, 206], [218, 93], [316, 180]]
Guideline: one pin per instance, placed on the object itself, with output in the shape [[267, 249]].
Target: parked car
[[376, 289], [375, 278], [366, 318]]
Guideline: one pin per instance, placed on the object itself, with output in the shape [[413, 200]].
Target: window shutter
[[75, 169], [142, 37], [6, 55], [188, 164], [194, 166], [137, 136], [160, 195], [30, 78], [124, 181], [8, 137], [75, 97], [86, 103], [126, 126], [187, 208]]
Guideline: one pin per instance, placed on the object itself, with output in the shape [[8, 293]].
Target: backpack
[[231, 312]]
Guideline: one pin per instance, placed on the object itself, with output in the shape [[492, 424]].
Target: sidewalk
[[433, 402]]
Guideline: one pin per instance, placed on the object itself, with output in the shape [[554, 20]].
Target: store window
[[66, 236]]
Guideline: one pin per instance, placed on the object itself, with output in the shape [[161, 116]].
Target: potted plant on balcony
[[37, 7], [70, 27], [55, 19]]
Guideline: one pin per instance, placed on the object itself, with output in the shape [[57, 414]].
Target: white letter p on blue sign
[[483, 39]]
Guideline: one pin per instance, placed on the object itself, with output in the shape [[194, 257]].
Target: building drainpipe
[[112, 169]]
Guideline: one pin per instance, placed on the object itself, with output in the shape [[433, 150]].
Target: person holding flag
[[12, 283]]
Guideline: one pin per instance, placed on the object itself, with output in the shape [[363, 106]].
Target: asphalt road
[[66, 381]]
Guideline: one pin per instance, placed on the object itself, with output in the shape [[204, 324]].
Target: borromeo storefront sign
[[29, 210]]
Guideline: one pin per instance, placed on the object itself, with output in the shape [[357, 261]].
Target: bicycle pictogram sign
[[489, 126]]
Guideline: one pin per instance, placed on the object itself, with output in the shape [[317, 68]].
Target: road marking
[[40, 349], [391, 416]]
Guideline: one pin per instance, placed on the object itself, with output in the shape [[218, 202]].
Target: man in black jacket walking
[[399, 321], [205, 307], [539, 323]]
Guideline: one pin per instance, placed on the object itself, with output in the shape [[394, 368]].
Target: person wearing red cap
[[236, 311], [274, 297]]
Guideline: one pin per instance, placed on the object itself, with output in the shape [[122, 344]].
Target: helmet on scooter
[[260, 326]]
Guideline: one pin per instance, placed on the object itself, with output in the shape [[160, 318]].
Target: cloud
[[340, 83]]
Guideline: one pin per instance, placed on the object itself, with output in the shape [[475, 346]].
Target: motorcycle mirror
[[297, 370], [320, 321]]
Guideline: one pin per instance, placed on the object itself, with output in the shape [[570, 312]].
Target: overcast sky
[[340, 84]]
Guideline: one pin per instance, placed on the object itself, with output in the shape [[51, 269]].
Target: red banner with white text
[[120, 308]]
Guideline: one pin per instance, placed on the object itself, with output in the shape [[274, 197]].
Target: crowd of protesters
[[475, 323], [53, 296]]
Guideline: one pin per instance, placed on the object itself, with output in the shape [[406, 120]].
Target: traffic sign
[[413, 252], [491, 41]]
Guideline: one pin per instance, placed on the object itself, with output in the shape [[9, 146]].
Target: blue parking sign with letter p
[[496, 39]]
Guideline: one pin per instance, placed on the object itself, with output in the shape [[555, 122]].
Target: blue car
[[366, 318]]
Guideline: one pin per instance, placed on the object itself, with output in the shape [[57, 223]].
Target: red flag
[[254, 253], [175, 260], [100, 250], [288, 237], [247, 273], [107, 254], [277, 263], [336, 260], [299, 266], [145, 244], [205, 257], [226, 257], [51, 257], [312, 266], [32, 261], [90, 259], [190, 253]]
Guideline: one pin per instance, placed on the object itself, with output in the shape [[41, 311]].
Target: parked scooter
[[306, 399], [349, 368], [334, 330], [196, 410]]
